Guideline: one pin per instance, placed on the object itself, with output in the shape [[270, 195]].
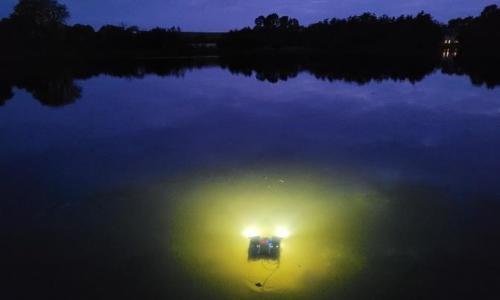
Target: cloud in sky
[[218, 15]]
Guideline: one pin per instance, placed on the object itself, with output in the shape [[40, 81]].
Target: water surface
[[139, 186]]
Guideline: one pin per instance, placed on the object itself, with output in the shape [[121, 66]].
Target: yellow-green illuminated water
[[142, 189], [325, 220]]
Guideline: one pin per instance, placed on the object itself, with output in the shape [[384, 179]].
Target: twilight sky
[[221, 15]]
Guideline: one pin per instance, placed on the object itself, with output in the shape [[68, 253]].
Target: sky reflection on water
[[398, 128], [142, 187]]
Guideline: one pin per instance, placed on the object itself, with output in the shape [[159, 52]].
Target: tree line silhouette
[[366, 34], [478, 36], [37, 28]]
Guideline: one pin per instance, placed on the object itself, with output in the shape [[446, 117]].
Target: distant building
[[451, 40], [450, 46], [204, 45]]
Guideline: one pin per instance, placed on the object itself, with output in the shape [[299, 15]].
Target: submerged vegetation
[[38, 28]]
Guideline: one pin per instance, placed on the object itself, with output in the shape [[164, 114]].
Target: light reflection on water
[[110, 198], [325, 220]]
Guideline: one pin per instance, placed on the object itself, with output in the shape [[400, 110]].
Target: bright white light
[[250, 232], [282, 232]]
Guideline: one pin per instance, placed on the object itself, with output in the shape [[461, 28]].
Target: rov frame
[[264, 248]]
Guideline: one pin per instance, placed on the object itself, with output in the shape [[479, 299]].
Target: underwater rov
[[264, 248]]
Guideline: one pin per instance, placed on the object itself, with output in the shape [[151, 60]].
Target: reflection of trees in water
[[54, 85], [480, 71], [358, 70], [55, 91], [51, 91], [266, 69], [365, 71], [5, 93], [50, 84]]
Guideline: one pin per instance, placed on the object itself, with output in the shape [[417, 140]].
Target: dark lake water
[[120, 184]]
